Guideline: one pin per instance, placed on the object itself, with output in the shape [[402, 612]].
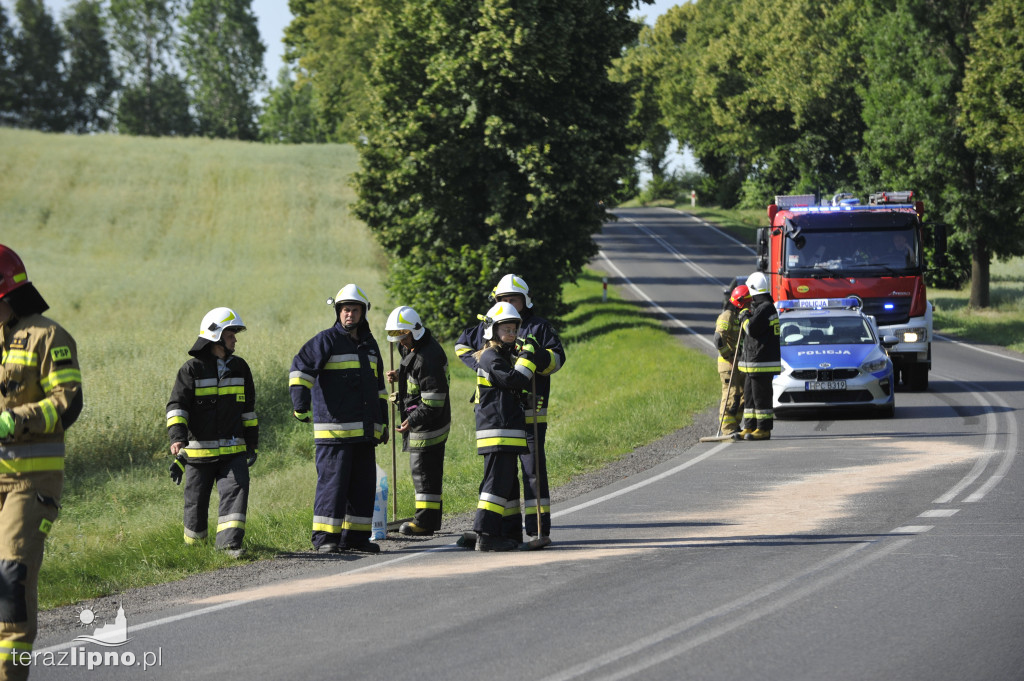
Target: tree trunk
[[980, 258]]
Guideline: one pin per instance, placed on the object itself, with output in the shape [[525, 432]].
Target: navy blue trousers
[[346, 482]]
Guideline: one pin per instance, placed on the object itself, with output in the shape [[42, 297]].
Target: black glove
[[177, 469], [250, 457], [383, 436]]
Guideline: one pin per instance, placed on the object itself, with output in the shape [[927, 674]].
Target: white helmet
[[501, 312], [402, 320], [350, 293], [757, 283], [512, 284], [218, 319]]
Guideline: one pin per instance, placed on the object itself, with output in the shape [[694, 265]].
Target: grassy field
[[132, 241]]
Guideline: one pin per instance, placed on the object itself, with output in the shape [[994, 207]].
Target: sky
[[273, 16]]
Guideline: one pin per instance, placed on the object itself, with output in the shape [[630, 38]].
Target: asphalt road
[[843, 548]]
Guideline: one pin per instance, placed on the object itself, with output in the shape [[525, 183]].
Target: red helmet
[[740, 296], [12, 271]]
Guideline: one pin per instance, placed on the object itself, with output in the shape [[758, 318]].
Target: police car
[[832, 357]]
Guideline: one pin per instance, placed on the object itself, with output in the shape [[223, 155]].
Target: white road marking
[[939, 513], [654, 648], [911, 529], [657, 307]]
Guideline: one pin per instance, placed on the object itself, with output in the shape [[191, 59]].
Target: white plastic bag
[[379, 530]]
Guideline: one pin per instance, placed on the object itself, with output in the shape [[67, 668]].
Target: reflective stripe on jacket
[[342, 381], [727, 335], [215, 415], [41, 385], [472, 339], [500, 420], [423, 392], [761, 351]]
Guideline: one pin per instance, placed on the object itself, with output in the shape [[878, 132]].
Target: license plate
[[825, 385]]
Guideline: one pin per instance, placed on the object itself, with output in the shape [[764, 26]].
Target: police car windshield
[[835, 253], [825, 330]]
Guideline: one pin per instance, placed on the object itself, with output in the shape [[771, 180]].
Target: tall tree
[[495, 131], [8, 82], [154, 100], [223, 56], [992, 116], [916, 62], [38, 67], [91, 83], [333, 42], [288, 115]]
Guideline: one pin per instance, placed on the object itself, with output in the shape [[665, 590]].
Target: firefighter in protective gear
[[727, 340], [337, 382], [40, 397], [513, 289], [425, 413], [213, 430], [761, 360], [501, 430]]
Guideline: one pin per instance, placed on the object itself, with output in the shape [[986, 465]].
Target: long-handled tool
[[394, 456], [541, 541], [721, 410]]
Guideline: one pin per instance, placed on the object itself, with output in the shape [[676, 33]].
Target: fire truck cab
[[842, 248]]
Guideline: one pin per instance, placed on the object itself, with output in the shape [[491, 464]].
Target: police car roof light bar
[[849, 303]]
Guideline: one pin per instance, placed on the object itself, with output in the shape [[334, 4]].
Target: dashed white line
[[939, 513], [911, 529]]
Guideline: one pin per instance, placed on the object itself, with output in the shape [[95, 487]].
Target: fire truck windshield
[[864, 252]]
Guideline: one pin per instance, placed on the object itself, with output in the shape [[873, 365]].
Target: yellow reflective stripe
[[202, 392], [331, 434], [176, 419], [532, 510], [349, 525], [250, 423], [59, 378], [434, 403], [523, 362], [480, 380], [231, 524], [295, 380], [34, 465], [428, 504], [21, 358], [231, 390], [337, 366], [215, 451], [50, 415], [324, 527], [18, 648], [498, 441], [488, 506]]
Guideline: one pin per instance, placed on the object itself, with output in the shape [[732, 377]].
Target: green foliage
[[333, 42], [154, 100], [495, 132], [223, 56], [38, 69], [288, 116], [8, 80], [90, 80]]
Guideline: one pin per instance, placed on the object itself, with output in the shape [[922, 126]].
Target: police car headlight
[[872, 367], [915, 335]]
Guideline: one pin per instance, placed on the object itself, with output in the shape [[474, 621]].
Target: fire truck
[[842, 248]]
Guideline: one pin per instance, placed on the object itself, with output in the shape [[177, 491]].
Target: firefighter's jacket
[[343, 380], [213, 408], [472, 339], [41, 385], [423, 393], [500, 419], [761, 353], [727, 336]]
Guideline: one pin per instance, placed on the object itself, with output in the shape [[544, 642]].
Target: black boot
[[490, 542]]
